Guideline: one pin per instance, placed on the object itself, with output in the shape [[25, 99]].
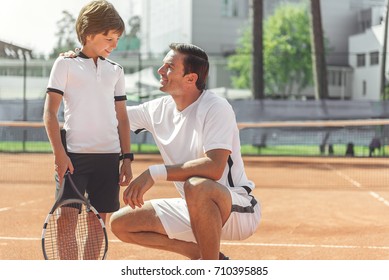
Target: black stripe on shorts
[[246, 209]]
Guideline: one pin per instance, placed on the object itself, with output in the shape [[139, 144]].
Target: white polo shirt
[[207, 124], [89, 94]]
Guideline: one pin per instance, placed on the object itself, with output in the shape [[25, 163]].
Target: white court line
[[358, 185], [344, 176], [379, 198], [304, 245], [251, 244], [19, 238], [22, 204]]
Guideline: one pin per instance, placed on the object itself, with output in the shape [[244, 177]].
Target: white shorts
[[242, 223]]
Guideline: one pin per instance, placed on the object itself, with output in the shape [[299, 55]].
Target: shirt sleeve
[[120, 89], [144, 115], [137, 114], [219, 127], [58, 76]]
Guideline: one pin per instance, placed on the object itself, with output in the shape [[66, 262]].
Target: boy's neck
[[90, 54]]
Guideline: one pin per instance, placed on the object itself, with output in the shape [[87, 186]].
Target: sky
[[33, 23]]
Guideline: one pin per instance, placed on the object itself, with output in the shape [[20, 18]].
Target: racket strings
[[74, 233]]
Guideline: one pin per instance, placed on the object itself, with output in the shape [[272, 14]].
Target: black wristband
[[129, 155]]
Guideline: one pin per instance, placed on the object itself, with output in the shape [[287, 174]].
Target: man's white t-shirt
[[89, 94], [207, 124]]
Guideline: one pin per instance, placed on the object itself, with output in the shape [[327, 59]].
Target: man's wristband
[[158, 172], [128, 155]]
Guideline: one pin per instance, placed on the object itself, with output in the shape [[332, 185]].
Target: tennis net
[[360, 138], [291, 153]]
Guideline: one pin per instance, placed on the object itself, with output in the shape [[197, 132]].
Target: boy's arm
[[125, 142], [50, 118]]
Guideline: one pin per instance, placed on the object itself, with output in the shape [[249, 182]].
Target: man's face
[[172, 72]]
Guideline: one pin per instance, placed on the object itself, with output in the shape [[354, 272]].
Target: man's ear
[[192, 78]]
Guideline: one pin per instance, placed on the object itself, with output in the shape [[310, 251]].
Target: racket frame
[[82, 200]]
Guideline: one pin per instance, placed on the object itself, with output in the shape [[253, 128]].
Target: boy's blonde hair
[[98, 17]]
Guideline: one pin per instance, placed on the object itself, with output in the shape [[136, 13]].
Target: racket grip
[[63, 139]]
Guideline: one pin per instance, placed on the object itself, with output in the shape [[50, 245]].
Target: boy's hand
[[70, 53], [125, 176]]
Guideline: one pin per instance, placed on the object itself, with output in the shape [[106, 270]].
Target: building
[[216, 26], [212, 25], [354, 30], [11, 51], [366, 55]]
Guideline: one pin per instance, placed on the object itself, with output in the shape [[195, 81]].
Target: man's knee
[[195, 187], [115, 223], [200, 190]]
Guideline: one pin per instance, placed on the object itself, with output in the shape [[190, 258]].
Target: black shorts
[[98, 176]]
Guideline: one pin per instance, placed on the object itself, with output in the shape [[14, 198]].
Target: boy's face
[[100, 44]]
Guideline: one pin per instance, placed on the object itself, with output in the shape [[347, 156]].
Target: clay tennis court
[[312, 208]]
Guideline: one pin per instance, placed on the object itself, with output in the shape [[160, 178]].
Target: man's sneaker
[[223, 257]]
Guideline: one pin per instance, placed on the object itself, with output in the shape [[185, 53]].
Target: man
[[197, 135]]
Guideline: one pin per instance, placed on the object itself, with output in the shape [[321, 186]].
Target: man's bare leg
[[209, 206], [141, 226]]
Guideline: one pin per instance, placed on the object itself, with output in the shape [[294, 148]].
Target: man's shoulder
[[212, 98], [157, 102], [162, 101], [212, 105]]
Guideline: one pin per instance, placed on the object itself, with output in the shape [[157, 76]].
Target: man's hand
[[133, 195], [70, 53]]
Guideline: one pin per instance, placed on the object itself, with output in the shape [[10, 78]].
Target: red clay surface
[[312, 209]]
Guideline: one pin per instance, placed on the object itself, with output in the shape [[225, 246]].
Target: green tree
[[67, 37], [131, 40], [240, 62], [287, 53]]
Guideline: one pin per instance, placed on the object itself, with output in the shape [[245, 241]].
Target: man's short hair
[[195, 61]]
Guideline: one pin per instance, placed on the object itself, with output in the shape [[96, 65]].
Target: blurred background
[[306, 77]]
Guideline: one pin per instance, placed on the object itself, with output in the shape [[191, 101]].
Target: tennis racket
[[73, 229]]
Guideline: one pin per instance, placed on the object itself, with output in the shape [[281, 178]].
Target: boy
[[96, 121]]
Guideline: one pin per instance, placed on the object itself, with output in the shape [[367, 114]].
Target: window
[[339, 74], [364, 88], [361, 60], [335, 78], [331, 77], [374, 58], [229, 8]]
